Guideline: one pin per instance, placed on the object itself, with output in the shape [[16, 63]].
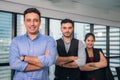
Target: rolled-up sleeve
[[81, 54], [51, 58], [14, 61]]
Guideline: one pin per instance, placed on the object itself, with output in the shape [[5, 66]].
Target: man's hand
[[73, 58]]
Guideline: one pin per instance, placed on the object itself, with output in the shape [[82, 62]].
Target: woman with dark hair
[[95, 61]]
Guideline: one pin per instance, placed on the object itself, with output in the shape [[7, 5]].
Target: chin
[[33, 32], [67, 35], [89, 47]]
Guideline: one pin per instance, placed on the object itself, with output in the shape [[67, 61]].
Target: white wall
[[79, 13]]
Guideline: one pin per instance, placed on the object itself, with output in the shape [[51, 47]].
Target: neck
[[32, 36], [67, 39], [89, 49], [90, 52]]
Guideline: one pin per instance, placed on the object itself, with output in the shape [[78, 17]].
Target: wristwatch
[[22, 58]]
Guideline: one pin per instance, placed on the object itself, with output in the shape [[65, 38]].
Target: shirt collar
[[38, 35]]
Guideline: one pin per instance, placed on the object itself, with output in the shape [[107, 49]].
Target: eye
[[64, 27], [28, 20], [70, 27], [88, 40], [36, 20]]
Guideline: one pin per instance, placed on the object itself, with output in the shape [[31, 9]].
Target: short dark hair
[[67, 21], [89, 34], [32, 10]]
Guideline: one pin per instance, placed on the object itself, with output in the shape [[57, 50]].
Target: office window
[[114, 41], [42, 26], [21, 27], [100, 35], [5, 40], [114, 48], [5, 73], [55, 31], [80, 29]]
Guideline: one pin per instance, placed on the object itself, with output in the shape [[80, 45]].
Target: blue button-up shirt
[[23, 45]]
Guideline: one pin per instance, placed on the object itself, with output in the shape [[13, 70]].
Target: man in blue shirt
[[31, 54]]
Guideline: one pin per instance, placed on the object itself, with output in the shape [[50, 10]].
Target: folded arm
[[44, 60], [71, 65], [95, 65], [49, 60], [80, 60], [15, 62], [63, 60], [31, 67], [102, 63], [33, 60]]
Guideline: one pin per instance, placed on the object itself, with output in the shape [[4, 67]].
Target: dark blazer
[[97, 74]]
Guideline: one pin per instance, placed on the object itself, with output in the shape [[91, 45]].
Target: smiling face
[[32, 23], [67, 29], [89, 42]]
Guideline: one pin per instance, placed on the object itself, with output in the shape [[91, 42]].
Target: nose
[[32, 22], [67, 30]]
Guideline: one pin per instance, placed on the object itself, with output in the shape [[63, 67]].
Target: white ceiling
[[92, 11], [112, 5]]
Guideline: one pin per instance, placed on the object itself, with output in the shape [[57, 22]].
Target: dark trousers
[[66, 78]]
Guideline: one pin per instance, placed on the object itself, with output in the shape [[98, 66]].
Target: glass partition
[[5, 40]]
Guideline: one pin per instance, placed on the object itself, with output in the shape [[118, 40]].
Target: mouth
[[67, 33], [32, 28]]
